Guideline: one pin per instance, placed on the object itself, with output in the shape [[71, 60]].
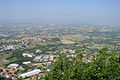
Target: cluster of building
[[44, 58], [5, 48], [10, 72], [3, 35], [42, 66], [67, 51]]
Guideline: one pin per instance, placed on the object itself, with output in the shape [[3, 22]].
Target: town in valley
[[28, 50]]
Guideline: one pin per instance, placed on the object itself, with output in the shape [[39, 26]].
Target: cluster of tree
[[104, 66]]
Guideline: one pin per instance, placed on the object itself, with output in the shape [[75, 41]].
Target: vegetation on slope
[[105, 65]]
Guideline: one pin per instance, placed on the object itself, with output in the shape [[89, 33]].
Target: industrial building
[[31, 73]]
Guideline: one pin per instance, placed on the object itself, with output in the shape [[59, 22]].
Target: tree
[[59, 68], [104, 66]]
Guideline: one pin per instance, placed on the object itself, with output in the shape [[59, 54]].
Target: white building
[[36, 71], [28, 62], [38, 51], [13, 65], [27, 55]]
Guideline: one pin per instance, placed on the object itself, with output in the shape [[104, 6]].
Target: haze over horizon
[[60, 11]]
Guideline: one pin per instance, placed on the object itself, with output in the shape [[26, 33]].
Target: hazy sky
[[86, 11]]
